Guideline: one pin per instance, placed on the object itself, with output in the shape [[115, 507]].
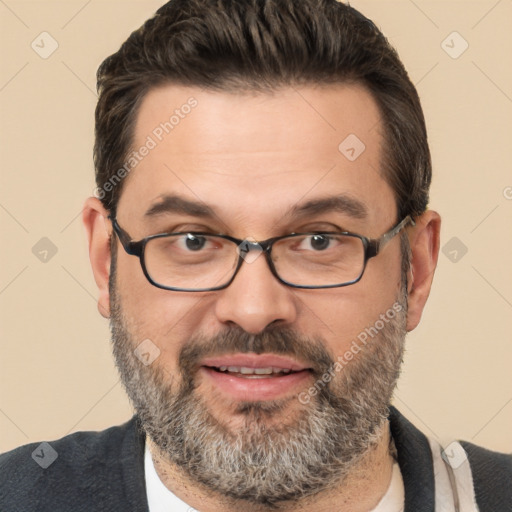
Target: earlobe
[[424, 243], [95, 219]]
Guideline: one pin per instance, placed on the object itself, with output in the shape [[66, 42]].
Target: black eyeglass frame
[[372, 247]]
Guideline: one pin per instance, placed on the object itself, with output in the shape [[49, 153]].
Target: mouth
[[253, 373], [252, 377]]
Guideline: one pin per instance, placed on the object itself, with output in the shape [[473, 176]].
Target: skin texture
[[252, 158]]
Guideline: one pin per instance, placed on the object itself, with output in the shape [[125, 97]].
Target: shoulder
[[65, 473], [492, 477], [487, 478], [71, 452], [488, 463]]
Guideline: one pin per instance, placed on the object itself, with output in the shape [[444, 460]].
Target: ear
[[424, 243], [97, 226]]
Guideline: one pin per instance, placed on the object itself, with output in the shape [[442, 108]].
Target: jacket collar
[[415, 461]]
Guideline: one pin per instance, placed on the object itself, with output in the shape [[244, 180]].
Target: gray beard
[[265, 463]]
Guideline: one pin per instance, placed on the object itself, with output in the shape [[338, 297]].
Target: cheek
[[339, 316], [165, 317]]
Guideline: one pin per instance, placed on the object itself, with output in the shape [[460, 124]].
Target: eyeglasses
[[200, 261]]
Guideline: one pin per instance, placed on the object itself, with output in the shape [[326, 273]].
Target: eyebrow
[[180, 205], [340, 203]]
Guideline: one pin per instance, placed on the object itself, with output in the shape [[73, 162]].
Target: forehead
[[257, 154]]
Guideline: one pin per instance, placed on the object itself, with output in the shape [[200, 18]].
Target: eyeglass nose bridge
[[250, 250]]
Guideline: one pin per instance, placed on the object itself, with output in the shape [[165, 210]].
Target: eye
[[318, 242], [194, 242]]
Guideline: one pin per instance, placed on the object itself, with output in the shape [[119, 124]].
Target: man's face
[[255, 160]]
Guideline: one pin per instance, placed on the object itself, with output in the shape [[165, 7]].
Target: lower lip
[[256, 388]]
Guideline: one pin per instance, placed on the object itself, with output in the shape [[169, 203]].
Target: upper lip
[[255, 361]]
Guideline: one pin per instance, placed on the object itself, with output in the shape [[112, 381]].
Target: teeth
[[253, 371], [260, 371]]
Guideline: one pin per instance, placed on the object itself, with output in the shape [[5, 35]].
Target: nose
[[255, 299]]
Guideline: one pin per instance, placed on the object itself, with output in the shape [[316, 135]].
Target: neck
[[361, 491]]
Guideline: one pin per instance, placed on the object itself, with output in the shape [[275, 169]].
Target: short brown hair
[[260, 45]]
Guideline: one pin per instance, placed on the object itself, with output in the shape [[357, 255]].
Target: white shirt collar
[[160, 499]]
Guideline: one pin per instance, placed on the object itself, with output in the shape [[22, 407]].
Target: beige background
[[56, 370]]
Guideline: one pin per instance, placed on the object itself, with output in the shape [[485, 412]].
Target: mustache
[[281, 341]]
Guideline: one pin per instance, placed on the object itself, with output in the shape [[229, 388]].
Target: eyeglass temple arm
[[123, 236], [375, 245]]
